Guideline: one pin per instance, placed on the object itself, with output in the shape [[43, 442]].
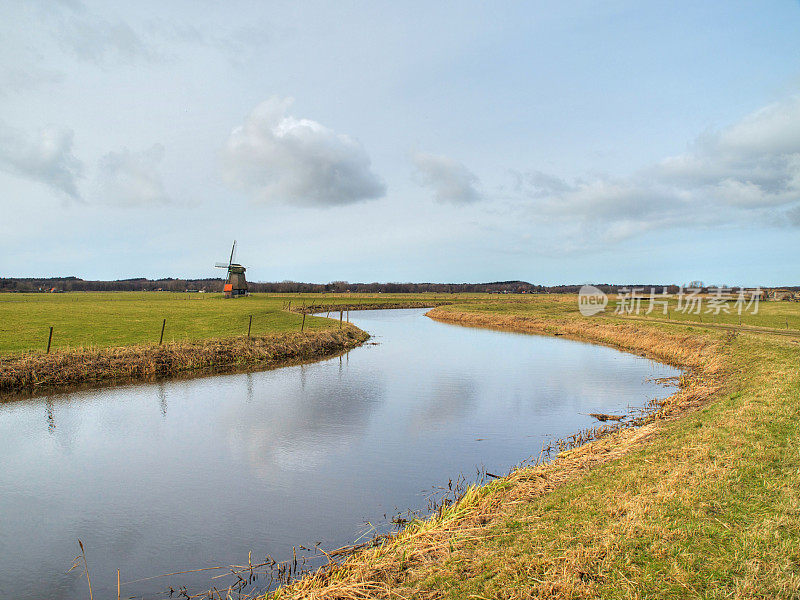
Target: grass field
[[106, 319], [703, 502], [128, 318], [777, 315]]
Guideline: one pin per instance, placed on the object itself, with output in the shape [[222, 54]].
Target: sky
[[549, 141]]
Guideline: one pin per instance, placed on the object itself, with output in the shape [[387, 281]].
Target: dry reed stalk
[[76, 563], [34, 371]]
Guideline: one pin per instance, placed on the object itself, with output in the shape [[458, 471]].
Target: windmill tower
[[236, 285]]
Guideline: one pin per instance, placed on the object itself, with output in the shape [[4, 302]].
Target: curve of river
[[166, 477]]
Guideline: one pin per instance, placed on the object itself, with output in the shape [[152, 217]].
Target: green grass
[[105, 319], [776, 315]]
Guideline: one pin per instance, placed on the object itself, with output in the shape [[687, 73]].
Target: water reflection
[[179, 475], [51, 419], [450, 400], [300, 429], [162, 399]]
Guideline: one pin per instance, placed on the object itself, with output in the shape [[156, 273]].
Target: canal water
[[180, 475]]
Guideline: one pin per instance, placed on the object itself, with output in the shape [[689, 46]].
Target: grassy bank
[[29, 372], [701, 500]]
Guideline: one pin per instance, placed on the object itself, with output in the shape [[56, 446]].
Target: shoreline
[[318, 309], [379, 569], [28, 375]]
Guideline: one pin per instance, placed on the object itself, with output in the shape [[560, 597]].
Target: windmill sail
[[233, 251]]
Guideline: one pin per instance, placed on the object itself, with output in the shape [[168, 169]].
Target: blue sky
[[555, 142]]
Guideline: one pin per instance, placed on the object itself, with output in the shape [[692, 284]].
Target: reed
[[32, 371]]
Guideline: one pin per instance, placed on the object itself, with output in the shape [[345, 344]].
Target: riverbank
[[699, 500], [108, 338], [66, 368], [334, 307]]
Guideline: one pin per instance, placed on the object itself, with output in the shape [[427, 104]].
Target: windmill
[[236, 285]]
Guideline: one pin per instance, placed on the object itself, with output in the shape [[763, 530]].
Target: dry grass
[[465, 542], [146, 362]]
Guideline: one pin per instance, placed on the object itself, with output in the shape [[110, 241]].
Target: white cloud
[[746, 173], [755, 162], [128, 178], [450, 180], [45, 157], [279, 158]]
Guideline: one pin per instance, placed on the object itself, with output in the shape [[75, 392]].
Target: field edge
[[63, 369]]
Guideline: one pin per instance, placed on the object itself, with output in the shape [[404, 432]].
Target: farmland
[[106, 319]]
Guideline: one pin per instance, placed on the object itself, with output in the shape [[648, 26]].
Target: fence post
[[49, 339], [161, 339], [303, 324], [341, 314], [249, 326]]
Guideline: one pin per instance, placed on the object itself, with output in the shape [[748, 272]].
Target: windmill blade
[[233, 251], [222, 265]]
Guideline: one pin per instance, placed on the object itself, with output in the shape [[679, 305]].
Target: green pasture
[[772, 314], [81, 319]]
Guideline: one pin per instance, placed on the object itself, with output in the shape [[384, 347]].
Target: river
[[163, 477]]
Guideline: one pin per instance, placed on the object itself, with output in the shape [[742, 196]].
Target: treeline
[[508, 287], [75, 284]]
